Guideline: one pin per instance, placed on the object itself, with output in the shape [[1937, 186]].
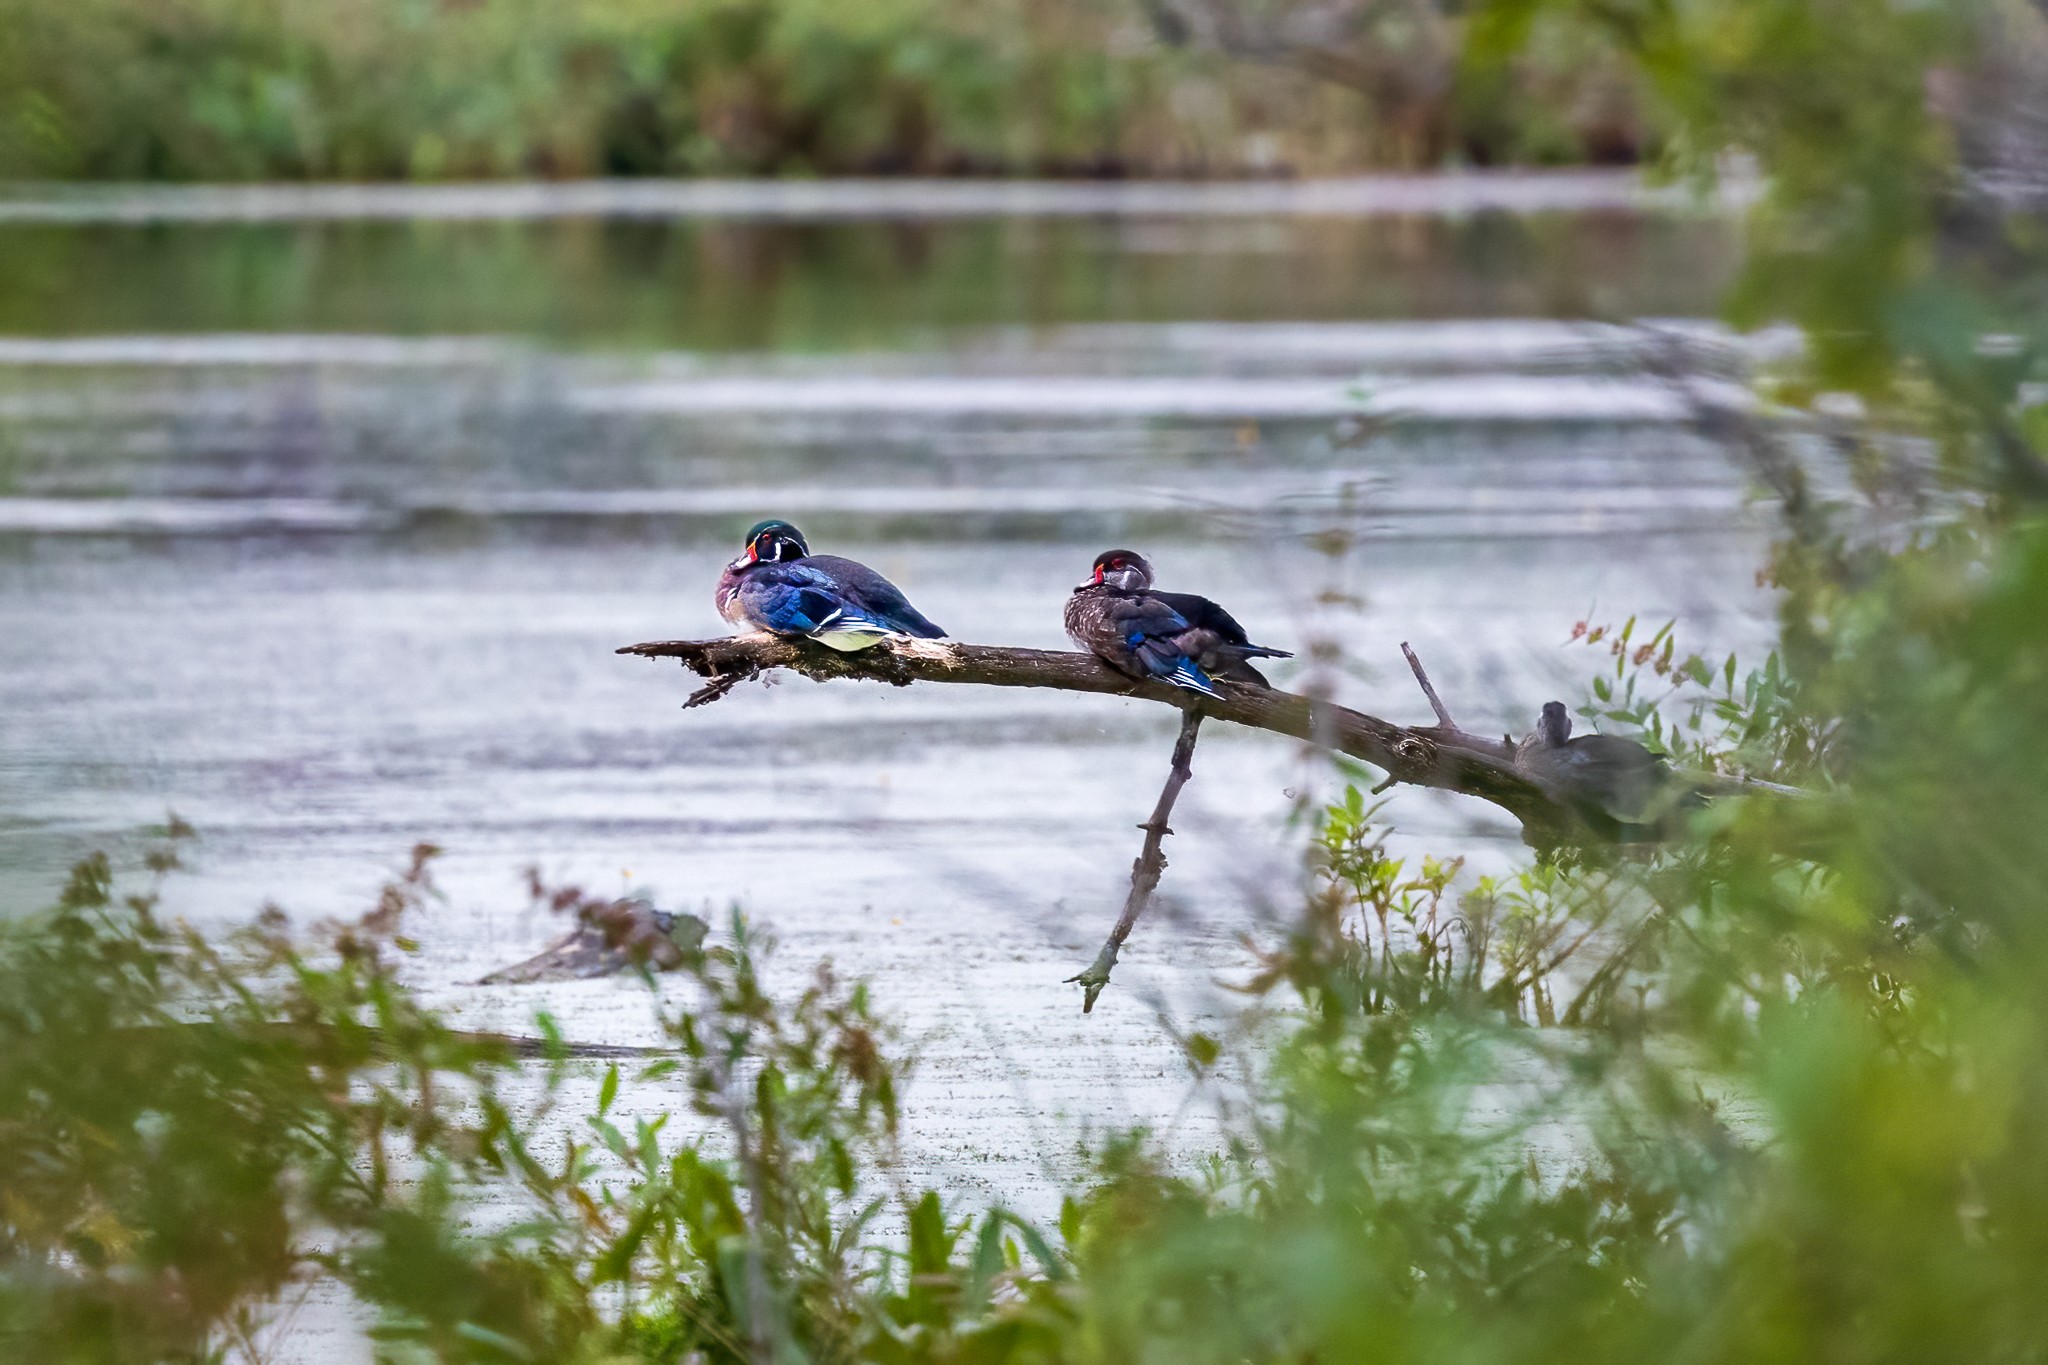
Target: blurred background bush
[[439, 89]]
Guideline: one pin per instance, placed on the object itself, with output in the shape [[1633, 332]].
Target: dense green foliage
[[232, 90], [434, 89]]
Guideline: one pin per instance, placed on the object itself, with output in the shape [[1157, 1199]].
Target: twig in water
[[1149, 864]]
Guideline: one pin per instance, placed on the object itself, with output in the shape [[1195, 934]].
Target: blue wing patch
[[1151, 642], [789, 609], [798, 600]]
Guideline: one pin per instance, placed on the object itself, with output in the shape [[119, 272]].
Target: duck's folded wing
[[1148, 627], [873, 596], [1203, 614], [788, 604], [1152, 632], [1207, 615], [1622, 776]]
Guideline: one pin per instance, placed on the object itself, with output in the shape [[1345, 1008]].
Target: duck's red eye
[[1117, 563]]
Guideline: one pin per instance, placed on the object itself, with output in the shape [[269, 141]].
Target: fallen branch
[[1440, 756], [1443, 756], [1149, 864], [1447, 731]]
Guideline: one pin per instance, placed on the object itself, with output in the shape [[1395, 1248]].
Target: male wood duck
[[778, 585], [1173, 637], [1605, 772]]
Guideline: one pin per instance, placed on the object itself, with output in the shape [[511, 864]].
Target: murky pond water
[[321, 532]]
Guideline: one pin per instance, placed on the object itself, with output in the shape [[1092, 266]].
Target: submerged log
[[609, 937]]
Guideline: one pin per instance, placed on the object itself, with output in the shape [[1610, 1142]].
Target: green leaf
[[552, 1045], [1051, 1262], [617, 1261], [931, 1248], [1071, 1219], [987, 1261], [497, 1341], [613, 1139]]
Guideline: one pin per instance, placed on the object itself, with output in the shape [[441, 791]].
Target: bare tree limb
[[1436, 703], [1149, 864], [1440, 756], [1446, 731]]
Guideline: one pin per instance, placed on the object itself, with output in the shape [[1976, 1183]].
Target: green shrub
[[438, 89]]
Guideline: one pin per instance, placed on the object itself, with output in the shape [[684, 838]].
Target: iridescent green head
[[772, 542]]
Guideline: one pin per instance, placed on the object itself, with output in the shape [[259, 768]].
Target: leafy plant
[[241, 90]]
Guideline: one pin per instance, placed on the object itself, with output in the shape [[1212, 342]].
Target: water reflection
[[716, 285]]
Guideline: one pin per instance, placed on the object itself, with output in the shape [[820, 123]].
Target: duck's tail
[[848, 633]]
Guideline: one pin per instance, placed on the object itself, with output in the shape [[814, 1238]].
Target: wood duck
[[778, 585], [1603, 772], [1173, 637]]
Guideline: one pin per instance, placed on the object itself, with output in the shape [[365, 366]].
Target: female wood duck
[[1174, 637], [1616, 776], [778, 585]]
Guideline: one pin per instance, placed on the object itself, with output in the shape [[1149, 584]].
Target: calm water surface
[[322, 533]]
